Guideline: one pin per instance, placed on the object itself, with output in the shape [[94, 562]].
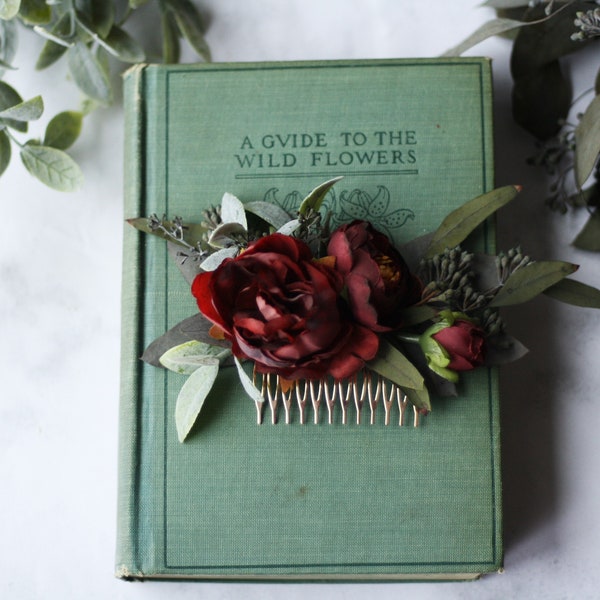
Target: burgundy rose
[[378, 280], [282, 309]]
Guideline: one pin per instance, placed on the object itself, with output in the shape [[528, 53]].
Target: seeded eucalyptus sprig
[[87, 34]]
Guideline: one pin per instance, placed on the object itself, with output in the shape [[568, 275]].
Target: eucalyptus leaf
[[419, 398], [9, 8], [314, 200], [195, 327], [393, 365], [124, 46], [232, 211], [216, 258], [528, 282], [487, 30], [589, 237], [190, 356], [63, 129], [272, 214], [191, 397], [171, 49], [30, 110], [190, 25], [5, 151], [53, 167], [8, 43], [10, 97], [247, 383], [224, 235], [462, 221], [187, 264], [35, 12], [587, 142], [89, 74], [192, 233], [575, 292]]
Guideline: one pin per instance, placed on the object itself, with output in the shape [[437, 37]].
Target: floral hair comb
[[339, 318]]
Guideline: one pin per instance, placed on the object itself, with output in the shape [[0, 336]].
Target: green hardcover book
[[412, 140]]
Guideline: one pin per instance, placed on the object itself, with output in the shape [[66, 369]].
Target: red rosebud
[[377, 278], [465, 344], [282, 310]]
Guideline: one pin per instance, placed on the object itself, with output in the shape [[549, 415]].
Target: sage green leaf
[[575, 292], [462, 221], [419, 398], [124, 46], [137, 3], [98, 16], [393, 365], [192, 233], [171, 49], [247, 383], [225, 235], [530, 281], [35, 12], [487, 30], [314, 200], [88, 73], [5, 151], [272, 214], [30, 110], [191, 397], [232, 211], [63, 129], [190, 25], [589, 237], [9, 97], [53, 167], [190, 356], [8, 43], [51, 51], [195, 327], [587, 142], [9, 8]]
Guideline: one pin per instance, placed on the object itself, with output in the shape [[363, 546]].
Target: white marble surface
[[59, 326]]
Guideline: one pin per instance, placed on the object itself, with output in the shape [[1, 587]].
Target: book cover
[[412, 140]]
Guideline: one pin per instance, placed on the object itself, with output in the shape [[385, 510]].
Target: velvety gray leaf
[[589, 237], [587, 142], [528, 282], [223, 236], [8, 43], [289, 227], [9, 8], [190, 25], [125, 47], [272, 214], [315, 198], [30, 110], [35, 12], [232, 211], [487, 30], [192, 232], [9, 97], [216, 258], [192, 328], [575, 292], [191, 397], [247, 383], [465, 219], [5, 151], [190, 356], [88, 74], [53, 167], [63, 129]]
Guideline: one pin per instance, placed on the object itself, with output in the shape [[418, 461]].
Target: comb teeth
[[358, 395]]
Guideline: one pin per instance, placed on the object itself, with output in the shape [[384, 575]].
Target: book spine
[[127, 566]]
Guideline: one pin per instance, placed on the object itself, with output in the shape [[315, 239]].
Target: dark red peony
[[376, 276], [282, 309], [465, 344]]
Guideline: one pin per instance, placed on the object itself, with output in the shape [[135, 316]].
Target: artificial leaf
[[51, 51], [53, 167], [192, 328], [462, 221], [393, 365], [137, 3], [289, 227], [187, 263], [541, 99], [5, 151], [589, 236], [193, 233], [190, 25], [224, 235], [531, 280], [9, 97], [416, 314], [100, 16], [190, 356], [9, 8], [30, 110], [272, 214], [8, 43], [419, 398], [216, 258], [35, 12], [502, 349], [232, 211], [575, 292], [247, 383], [191, 397], [487, 30], [124, 46], [314, 200], [502, 4], [171, 49], [587, 142], [590, 196], [63, 129], [89, 74]]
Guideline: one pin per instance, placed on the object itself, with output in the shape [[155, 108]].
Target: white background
[[60, 263]]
